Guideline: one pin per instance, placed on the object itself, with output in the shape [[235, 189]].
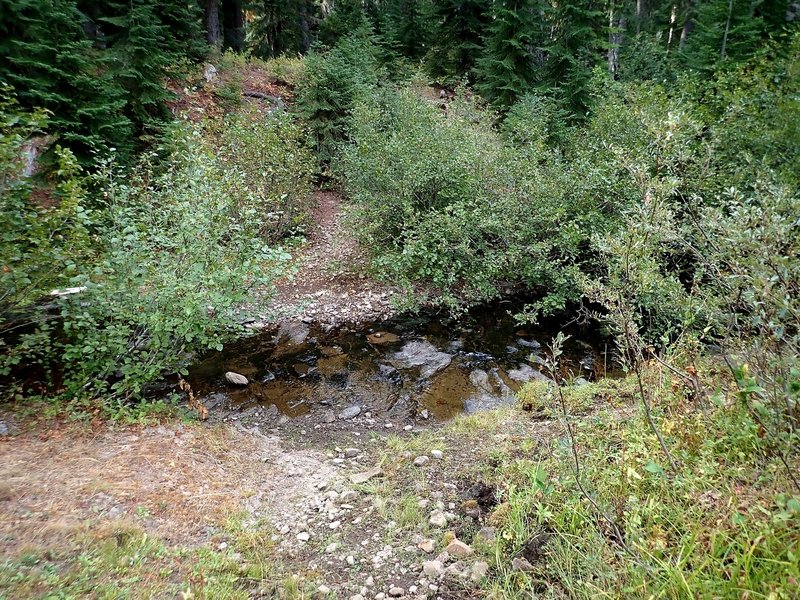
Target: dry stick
[[629, 341], [573, 447], [686, 378], [552, 366], [645, 401]]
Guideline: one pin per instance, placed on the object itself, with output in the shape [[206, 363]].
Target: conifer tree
[[51, 64], [460, 26], [347, 17], [507, 69], [98, 66], [724, 30], [575, 47], [407, 26], [139, 44], [280, 27]]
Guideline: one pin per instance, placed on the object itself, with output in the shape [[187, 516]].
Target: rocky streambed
[[385, 374]]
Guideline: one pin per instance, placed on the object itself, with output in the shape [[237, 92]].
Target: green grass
[[125, 562], [726, 525]]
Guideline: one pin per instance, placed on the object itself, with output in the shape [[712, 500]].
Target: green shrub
[[274, 166], [288, 69], [176, 253], [41, 238], [181, 254], [441, 201]]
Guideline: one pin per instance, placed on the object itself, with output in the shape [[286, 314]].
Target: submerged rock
[[214, 400], [480, 379], [484, 402], [382, 337], [292, 332], [421, 354]]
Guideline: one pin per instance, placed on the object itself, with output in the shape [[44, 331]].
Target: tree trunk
[[688, 28], [213, 30], [233, 24], [306, 36], [640, 8], [672, 19], [615, 32], [688, 25]]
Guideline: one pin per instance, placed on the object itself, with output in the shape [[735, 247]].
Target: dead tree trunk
[[615, 30]]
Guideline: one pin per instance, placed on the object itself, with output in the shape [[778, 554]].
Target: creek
[[408, 368]]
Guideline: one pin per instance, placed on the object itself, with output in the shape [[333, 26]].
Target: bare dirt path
[[331, 285], [235, 513]]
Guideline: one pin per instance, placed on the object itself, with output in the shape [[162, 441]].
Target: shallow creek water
[[419, 366]]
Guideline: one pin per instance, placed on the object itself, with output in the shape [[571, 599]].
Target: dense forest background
[[98, 67]]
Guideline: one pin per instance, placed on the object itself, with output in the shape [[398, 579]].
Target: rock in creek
[[525, 373], [484, 402], [382, 337], [292, 332], [480, 379], [236, 378], [421, 354]]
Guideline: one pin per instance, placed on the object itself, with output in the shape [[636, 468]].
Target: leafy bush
[[181, 255], [433, 196], [288, 69], [38, 236], [177, 251], [273, 164]]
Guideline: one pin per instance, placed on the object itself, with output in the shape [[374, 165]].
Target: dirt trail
[[331, 286], [178, 480], [352, 514]]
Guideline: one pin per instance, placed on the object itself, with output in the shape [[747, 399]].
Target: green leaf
[[654, 468]]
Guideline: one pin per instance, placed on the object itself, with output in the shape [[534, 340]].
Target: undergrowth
[[124, 561], [725, 525]]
